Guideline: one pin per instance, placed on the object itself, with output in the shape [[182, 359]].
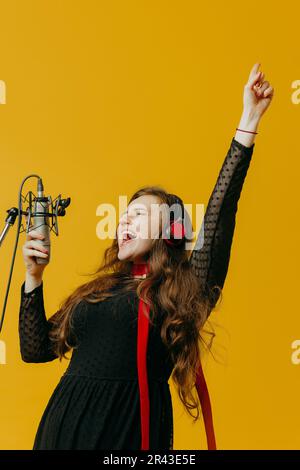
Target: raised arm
[[211, 254], [34, 328], [210, 257]]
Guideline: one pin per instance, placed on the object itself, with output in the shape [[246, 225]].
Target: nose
[[125, 221]]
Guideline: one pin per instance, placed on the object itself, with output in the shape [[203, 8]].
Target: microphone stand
[[9, 222]]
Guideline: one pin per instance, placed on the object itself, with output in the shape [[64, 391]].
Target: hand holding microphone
[[33, 249], [36, 250]]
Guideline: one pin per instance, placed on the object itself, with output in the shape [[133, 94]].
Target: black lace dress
[[96, 405]]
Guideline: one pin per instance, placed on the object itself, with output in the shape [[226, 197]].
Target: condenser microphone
[[41, 221]]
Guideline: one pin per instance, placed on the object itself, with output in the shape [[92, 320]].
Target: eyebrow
[[137, 207]]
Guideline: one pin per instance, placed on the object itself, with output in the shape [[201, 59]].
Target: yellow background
[[104, 97]]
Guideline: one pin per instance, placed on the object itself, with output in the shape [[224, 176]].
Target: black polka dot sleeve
[[211, 253], [35, 345]]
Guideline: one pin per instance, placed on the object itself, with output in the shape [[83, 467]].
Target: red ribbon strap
[[200, 384], [143, 330], [206, 408]]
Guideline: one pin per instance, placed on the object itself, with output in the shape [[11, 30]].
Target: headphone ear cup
[[177, 230], [175, 233]]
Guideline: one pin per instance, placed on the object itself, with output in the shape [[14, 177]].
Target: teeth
[[129, 234]]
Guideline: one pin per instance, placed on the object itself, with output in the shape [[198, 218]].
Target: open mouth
[[127, 237]]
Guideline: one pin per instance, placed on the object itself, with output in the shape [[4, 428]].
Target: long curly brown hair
[[171, 286]]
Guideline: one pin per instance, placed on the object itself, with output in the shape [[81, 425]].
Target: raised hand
[[258, 93]]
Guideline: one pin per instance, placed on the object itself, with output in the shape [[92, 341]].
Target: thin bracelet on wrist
[[248, 132]]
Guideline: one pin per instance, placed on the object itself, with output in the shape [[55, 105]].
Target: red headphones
[[174, 234]]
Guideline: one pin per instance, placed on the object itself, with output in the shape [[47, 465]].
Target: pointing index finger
[[254, 71]]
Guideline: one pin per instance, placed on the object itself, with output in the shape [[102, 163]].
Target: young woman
[[115, 392]]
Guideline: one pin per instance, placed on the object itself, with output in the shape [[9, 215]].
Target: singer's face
[[138, 228]]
